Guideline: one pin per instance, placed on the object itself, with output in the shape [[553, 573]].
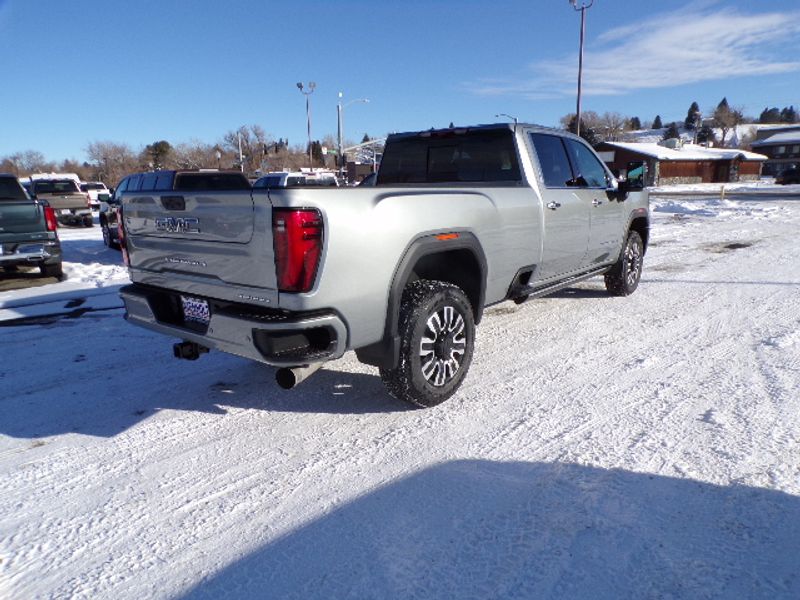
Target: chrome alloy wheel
[[633, 263], [442, 347]]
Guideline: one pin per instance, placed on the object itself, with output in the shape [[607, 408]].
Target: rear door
[[566, 215], [200, 227]]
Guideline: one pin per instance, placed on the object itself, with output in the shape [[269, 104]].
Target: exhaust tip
[[286, 378], [289, 377]]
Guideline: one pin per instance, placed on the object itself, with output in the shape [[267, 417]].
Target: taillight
[[88, 200], [50, 220], [297, 240], [121, 238]]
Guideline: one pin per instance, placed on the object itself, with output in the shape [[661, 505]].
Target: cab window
[[553, 161]]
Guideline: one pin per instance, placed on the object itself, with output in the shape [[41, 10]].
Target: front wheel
[[437, 332], [623, 278]]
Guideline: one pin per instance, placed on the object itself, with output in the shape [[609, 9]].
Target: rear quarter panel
[[367, 232]]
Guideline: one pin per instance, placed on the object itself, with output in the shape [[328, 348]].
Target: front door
[[606, 227], [566, 214]]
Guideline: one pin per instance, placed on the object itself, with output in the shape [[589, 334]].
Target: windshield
[[55, 186], [10, 189]]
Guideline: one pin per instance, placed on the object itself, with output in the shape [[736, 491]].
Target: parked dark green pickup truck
[[28, 235]]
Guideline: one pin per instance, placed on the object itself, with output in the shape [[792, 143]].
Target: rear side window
[[188, 182], [487, 156], [148, 182], [10, 189], [556, 170]]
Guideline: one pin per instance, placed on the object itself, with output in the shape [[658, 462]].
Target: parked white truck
[[459, 219]]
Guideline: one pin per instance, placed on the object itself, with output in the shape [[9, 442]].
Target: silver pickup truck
[[459, 219]]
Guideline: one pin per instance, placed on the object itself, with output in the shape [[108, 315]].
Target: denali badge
[[185, 261], [178, 224]]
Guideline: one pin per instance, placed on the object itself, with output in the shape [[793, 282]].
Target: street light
[[583, 7], [507, 116], [339, 119], [311, 86]]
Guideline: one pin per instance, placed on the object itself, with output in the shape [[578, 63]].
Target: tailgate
[[222, 237], [21, 216], [65, 201]]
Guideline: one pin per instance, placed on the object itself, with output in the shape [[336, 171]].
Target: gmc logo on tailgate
[[178, 225]]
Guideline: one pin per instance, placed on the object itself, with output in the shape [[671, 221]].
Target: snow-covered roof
[[687, 152], [784, 137]]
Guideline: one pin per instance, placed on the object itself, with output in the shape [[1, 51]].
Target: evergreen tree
[[157, 154], [671, 132], [770, 115], [657, 124], [587, 133], [365, 139], [635, 123], [692, 116], [788, 115], [723, 104], [705, 135]]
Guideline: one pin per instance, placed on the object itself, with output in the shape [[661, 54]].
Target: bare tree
[[27, 162], [112, 161], [254, 145], [726, 118], [611, 126], [199, 155]]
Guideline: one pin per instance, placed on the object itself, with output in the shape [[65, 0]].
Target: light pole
[[311, 86], [583, 8], [340, 128], [507, 116]]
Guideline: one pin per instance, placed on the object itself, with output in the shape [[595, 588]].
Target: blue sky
[[137, 72]]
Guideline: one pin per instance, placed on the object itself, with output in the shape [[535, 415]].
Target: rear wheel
[[623, 278], [437, 332], [87, 222], [51, 270]]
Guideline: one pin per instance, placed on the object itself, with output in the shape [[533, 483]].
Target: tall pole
[[340, 121], [311, 86], [340, 154], [241, 158], [583, 9]]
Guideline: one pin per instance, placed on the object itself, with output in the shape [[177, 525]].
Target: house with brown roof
[[781, 147], [674, 161]]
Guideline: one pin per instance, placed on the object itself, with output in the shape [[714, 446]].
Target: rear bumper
[[34, 253], [273, 337]]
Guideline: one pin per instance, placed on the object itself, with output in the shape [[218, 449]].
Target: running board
[[523, 292]]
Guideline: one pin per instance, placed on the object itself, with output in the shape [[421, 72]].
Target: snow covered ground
[[641, 447]]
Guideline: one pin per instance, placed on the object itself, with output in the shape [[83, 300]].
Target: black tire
[[87, 222], [107, 239], [624, 276], [437, 332], [51, 270]]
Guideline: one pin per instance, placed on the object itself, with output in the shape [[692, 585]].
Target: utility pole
[[311, 86], [583, 8]]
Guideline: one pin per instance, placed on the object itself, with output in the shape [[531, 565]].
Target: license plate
[[195, 310], [64, 211]]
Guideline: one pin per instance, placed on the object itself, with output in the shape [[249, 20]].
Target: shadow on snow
[[478, 529]]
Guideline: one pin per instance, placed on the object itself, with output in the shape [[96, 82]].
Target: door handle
[[596, 202], [553, 205]]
